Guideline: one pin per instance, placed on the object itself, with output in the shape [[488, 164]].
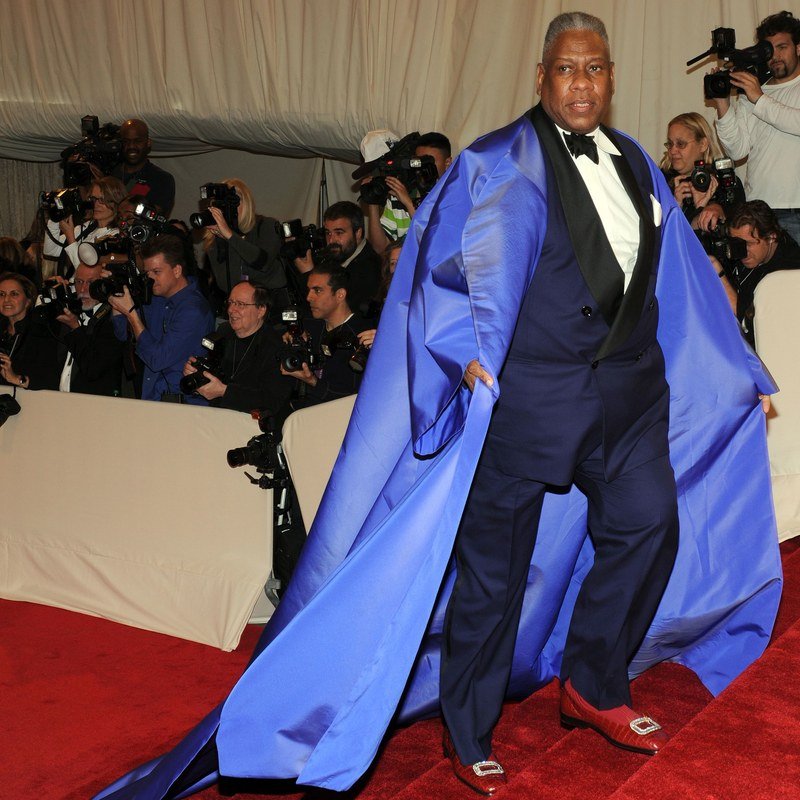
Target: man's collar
[[601, 140], [356, 253]]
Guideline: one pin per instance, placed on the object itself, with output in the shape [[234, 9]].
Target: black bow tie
[[582, 144]]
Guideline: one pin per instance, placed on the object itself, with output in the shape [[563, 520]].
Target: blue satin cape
[[354, 644]]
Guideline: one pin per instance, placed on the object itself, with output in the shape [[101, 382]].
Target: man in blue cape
[[355, 643]]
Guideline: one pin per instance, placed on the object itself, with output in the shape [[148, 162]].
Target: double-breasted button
[[586, 311], [652, 305], [639, 356], [595, 364]]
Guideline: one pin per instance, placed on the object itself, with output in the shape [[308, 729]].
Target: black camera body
[[701, 176], [146, 223], [752, 59], [56, 298], [210, 361], [122, 275], [298, 240], [62, 203], [416, 173], [218, 195], [344, 339], [293, 355], [719, 243], [101, 146]]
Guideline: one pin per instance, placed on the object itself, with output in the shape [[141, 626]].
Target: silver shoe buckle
[[482, 768], [644, 726]]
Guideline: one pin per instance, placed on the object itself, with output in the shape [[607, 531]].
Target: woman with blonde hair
[[250, 252], [689, 139]]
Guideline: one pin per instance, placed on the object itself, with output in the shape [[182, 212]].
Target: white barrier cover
[[128, 510]]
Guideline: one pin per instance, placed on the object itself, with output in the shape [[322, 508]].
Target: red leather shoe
[[622, 726], [483, 777]]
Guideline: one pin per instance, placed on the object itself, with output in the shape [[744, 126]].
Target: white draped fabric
[[310, 77]]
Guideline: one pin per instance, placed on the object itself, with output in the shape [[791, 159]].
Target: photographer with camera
[[698, 172], [169, 328], [94, 360], [330, 340], [390, 220], [29, 348], [105, 196], [764, 125], [245, 376], [240, 244], [766, 248], [347, 247], [143, 179]]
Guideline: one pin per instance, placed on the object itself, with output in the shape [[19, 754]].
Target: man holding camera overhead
[[764, 125], [169, 329]]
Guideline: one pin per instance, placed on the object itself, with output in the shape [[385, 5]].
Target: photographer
[[346, 246], [333, 335], [169, 329], [142, 179], [691, 139], [764, 124], [248, 250], [94, 361], [247, 376], [105, 196], [29, 349], [769, 249], [391, 221]]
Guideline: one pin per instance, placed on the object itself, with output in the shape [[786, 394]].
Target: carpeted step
[[743, 745]]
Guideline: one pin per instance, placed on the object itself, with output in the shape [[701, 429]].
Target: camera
[[210, 361], [725, 248], [752, 59], [91, 252], [62, 203], [8, 407], [726, 178], [98, 145], [221, 196], [416, 173], [122, 275], [344, 339], [292, 356], [146, 223], [56, 298], [298, 240]]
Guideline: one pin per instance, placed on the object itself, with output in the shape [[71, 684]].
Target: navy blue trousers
[[633, 522]]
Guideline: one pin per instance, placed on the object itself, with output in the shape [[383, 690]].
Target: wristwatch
[[22, 379]]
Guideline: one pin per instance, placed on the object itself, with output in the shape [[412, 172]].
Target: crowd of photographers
[[106, 296]]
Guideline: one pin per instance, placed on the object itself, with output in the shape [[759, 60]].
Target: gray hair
[[572, 21]]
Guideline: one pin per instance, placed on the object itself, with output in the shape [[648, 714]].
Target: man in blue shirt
[[169, 329]]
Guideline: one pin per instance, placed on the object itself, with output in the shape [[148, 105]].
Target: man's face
[[135, 144], [167, 280], [321, 298], [785, 61], [342, 240], [244, 316], [442, 162], [759, 250], [84, 277], [577, 81]]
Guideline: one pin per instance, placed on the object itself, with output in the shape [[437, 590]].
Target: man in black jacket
[[248, 377], [94, 361]]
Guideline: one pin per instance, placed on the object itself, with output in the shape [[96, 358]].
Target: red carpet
[[85, 699]]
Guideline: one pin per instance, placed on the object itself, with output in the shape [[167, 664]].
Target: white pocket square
[[656, 211]]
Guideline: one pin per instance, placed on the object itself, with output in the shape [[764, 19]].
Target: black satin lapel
[[594, 254], [632, 303]]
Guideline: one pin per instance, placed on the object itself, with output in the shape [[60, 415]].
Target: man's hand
[[122, 303], [213, 389], [69, 319], [748, 83], [305, 264], [475, 371], [766, 403], [709, 217], [398, 189], [304, 374], [222, 229], [188, 367], [366, 338]]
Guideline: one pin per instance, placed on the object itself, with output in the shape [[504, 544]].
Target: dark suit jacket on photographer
[[251, 372], [97, 356], [335, 378], [254, 257], [364, 271]]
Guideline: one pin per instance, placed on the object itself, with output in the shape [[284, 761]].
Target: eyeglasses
[[681, 145], [238, 304], [95, 199]]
